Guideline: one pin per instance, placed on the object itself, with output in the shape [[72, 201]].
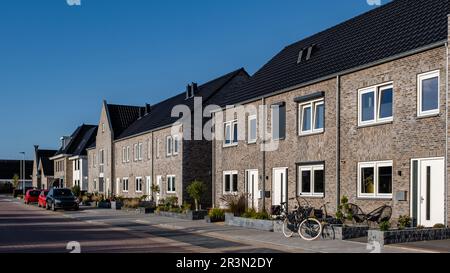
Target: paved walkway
[[236, 234]]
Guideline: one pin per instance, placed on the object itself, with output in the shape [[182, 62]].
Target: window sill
[[171, 192], [230, 145], [251, 143], [375, 124], [230, 193], [311, 134], [425, 116], [312, 196], [375, 198]]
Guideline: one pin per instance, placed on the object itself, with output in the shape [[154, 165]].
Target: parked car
[[42, 201], [31, 196], [61, 199]]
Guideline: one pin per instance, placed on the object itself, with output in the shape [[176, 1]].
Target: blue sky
[[58, 62]]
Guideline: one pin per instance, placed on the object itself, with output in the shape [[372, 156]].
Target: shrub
[[86, 199], [132, 203], [186, 207], [251, 213], [262, 215], [171, 201], [217, 215], [439, 226], [420, 227], [76, 190], [343, 212], [196, 190], [404, 221], [235, 203], [385, 226]]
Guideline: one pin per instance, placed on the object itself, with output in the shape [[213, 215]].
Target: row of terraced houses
[[358, 110]]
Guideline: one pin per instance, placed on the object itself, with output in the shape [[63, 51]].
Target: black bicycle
[[292, 221]]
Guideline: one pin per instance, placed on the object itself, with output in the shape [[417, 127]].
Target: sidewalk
[[236, 234]]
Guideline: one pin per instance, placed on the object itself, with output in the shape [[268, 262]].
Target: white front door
[[251, 187], [159, 184], [117, 186], [428, 189], [279, 186], [148, 183]]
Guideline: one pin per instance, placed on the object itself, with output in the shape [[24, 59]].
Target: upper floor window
[[375, 179], [169, 145], [312, 117], [128, 154], [428, 94], [124, 154], [252, 127], [375, 104], [135, 152], [278, 121], [140, 151], [231, 133], [175, 145], [157, 148]]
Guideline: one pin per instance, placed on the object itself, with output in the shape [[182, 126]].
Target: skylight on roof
[[305, 54]]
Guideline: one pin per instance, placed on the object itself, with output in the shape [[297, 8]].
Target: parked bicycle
[[300, 221]]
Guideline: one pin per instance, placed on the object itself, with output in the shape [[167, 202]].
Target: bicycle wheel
[[310, 229], [288, 228], [328, 232]]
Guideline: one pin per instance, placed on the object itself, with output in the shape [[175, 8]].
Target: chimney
[[188, 91], [194, 87], [64, 141], [36, 149], [147, 108]]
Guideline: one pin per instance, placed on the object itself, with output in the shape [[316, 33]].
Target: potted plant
[[116, 203], [196, 190], [155, 190]]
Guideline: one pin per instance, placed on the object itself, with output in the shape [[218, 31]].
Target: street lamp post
[[22, 173]]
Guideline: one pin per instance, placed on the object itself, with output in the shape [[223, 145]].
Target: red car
[[42, 202], [31, 196]]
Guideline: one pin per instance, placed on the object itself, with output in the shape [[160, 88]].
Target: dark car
[[61, 199]]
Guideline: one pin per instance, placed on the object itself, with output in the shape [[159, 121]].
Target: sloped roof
[[160, 114], [122, 116], [79, 140], [8, 168], [394, 28], [47, 165]]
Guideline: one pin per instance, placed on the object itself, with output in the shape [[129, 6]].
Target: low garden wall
[[350, 232], [189, 215], [408, 235], [265, 225]]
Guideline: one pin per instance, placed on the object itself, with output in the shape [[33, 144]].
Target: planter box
[[116, 205], [265, 225], [140, 210], [190, 215], [350, 232], [407, 235], [208, 220], [104, 205]]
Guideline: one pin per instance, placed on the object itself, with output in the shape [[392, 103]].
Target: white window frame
[[157, 148], [376, 90], [376, 165], [138, 185], [128, 153], [140, 151], [230, 173], [232, 124], [171, 183], [124, 157], [123, 184], [175, 144], [312, 169], [249, 138], [135, 151], [169, 145], [313, 106], [420, 79]]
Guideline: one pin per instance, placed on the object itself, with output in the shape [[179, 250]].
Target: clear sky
[[58, 62]]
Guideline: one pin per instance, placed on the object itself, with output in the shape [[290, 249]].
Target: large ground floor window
[[311, 180], [375, 179]]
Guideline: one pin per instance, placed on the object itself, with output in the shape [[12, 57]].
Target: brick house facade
[[369, 122]]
